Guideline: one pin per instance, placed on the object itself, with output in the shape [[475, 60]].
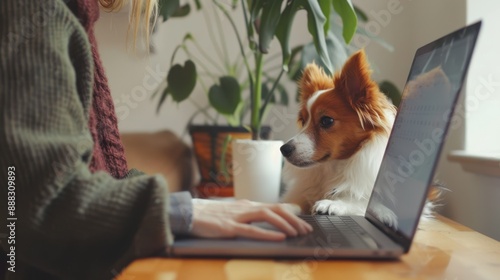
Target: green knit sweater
[[71, 224]]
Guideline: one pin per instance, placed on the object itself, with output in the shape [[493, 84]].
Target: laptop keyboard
[[332, 231]]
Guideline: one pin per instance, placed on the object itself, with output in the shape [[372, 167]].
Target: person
[[73, 208]]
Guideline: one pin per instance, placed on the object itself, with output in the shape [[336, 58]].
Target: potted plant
[[263, 20]]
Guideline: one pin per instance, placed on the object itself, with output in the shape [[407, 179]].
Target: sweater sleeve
[[180, 210], [71, 223]]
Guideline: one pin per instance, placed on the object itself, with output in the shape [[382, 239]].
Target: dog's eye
[[326, 122]]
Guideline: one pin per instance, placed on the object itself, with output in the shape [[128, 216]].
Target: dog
[[345, 122]]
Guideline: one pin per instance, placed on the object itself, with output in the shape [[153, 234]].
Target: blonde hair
[[143, 14]]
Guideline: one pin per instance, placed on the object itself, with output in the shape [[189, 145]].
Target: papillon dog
[[345, 122]]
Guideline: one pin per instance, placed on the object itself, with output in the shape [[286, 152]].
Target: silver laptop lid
[[407, 169]]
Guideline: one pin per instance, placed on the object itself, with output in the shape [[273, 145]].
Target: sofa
[[163, 153]]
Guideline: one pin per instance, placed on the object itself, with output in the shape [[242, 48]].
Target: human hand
[[219, 219]]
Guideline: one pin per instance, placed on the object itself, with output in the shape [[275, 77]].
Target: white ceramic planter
[[257, 170]]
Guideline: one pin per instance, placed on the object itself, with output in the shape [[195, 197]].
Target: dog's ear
[[362, 93], [313, 79], [354, 79]]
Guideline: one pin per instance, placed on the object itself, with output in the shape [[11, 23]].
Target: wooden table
[[443, 249]]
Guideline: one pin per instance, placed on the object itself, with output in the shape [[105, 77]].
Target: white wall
[[483, 86], [473, 199]]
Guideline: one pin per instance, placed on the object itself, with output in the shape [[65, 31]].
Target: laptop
[[407, 169]]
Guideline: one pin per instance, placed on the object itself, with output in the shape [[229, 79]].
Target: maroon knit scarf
[[108, 153]]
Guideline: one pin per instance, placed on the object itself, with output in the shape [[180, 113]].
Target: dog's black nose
[[287, 150]]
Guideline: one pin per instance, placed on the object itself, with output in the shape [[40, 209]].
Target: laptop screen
[[430, 94]]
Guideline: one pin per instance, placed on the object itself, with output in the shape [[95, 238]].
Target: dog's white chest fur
[[340, 187]]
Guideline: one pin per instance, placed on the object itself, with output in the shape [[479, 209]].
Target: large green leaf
[[283, 30], [166, 8], [316, 22], [182, 11], [326, 8], [172, 8], [182, 80], [226, 97], [349, 19], [255, 7], [268, 23]]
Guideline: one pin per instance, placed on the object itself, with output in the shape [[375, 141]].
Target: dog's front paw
[[385, 215], [333, 207]]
